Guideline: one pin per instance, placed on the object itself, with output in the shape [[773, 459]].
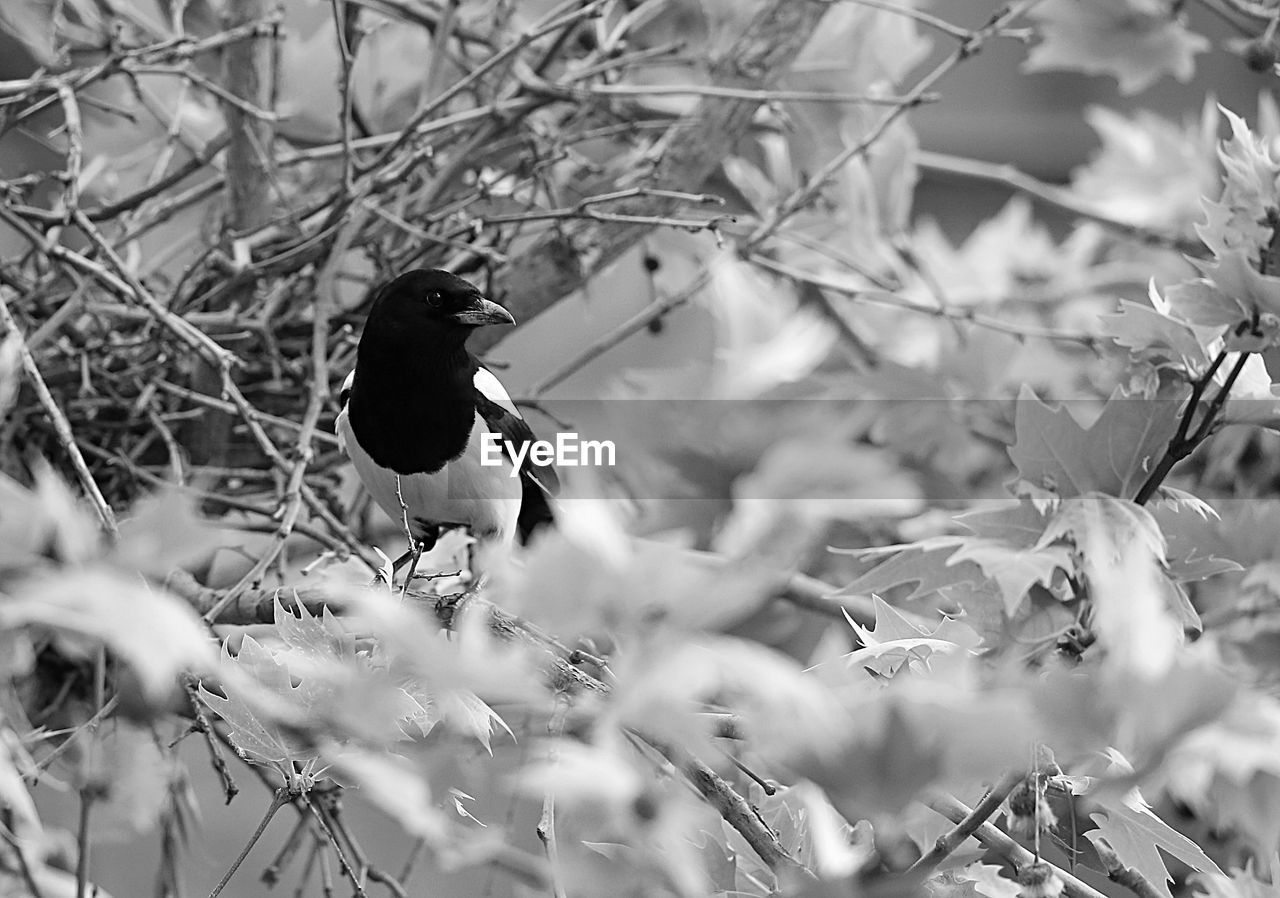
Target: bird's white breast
[[485, 498]]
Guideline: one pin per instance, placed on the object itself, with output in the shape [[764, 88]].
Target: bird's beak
[[483, 311]]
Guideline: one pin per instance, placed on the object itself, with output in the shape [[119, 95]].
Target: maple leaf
[[252, 727], [1151, 171], [163, 532], [1155, 331], [1231, 292], [1136, 41], [15, 763], [896, 641], [664, 692], [154, 632], [1137, 836], [1017, 523], [1237, 220], [137, 775], [764, 337], [1014, 569], [389, 782], [1241, 883], [1052, 450], [999, 258], [1229, 770], [823, 840], [801, 485], [942, 562], [926, 570], [1146, 718]]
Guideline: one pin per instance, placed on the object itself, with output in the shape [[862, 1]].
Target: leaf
[[137, 777], [972, 881], [1137, 836], [664, 692], [394, 786], [151, 630], [1151, 171], [1123, 552], [463, 712], [10, 368], [31, 22], [1231, 291], [1229, 770], [355, 694], [801, 486], [999, 259], [1017, 523], [764, 337], [15, 764], [1015, 570], [1145, 718], [62, 518], [163, 532], [1241, 883], [1136, 41], [926, 570], [253, 730], [1237, 220], [945, 561], [1053, 451], [1150, 330], [878, 770]]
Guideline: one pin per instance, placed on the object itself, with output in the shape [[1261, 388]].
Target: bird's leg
[[404, 517], [426, 544]]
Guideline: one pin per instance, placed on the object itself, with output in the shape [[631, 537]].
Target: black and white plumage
[[416, 406]]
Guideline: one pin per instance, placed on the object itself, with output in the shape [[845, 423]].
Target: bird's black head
[[435, 300]]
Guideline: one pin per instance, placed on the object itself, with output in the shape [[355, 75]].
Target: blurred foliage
[[948, 565]]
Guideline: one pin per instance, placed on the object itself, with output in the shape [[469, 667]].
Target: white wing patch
[[491, 388], [343, 394]]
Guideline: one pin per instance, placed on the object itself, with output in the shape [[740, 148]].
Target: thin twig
[[739, 814], [759, 96], [547, 821], [1059, 199], [205, 727], [807, 192], [1184, 441], [62, 427], [278, 800]]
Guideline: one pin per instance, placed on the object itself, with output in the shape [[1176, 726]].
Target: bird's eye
[[433, 299]]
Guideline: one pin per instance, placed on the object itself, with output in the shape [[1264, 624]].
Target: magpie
[[415, 411]]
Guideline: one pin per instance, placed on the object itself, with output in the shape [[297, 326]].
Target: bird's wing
[[503, 418]]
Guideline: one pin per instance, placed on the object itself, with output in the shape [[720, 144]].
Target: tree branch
[[954, 838], [1003, 845], [694, 146]]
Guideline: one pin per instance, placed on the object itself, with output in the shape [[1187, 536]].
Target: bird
[[415, 411]]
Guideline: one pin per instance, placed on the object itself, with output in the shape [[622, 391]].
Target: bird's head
[[430, 298]]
